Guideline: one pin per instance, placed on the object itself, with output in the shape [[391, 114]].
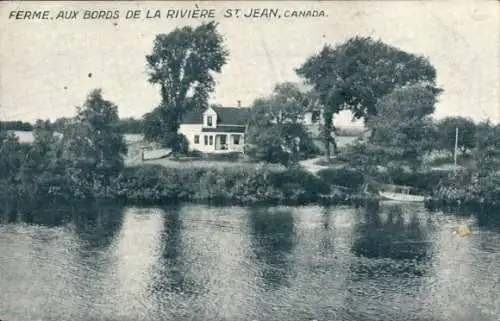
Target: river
[[196, 262]]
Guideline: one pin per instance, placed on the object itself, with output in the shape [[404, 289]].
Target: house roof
[[232, 115], [225, 129], [225, 116], [193, 117]]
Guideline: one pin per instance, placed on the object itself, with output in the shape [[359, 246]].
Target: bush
[[468, 188], [346, 177], [194, 153], [232, 184], [269, 151], [425, 181]]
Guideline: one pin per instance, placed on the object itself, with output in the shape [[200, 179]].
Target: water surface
[[230, 263]]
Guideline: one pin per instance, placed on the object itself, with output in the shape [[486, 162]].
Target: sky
[[45, 64]]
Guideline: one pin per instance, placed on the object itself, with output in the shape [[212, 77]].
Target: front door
[[223, 142]]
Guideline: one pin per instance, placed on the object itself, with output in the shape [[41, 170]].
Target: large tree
[[357, 73], [403, 129], [182, 64], [93, 148], [42, 171], [275, 132]]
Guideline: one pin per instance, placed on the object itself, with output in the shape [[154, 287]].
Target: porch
[[228, 142]]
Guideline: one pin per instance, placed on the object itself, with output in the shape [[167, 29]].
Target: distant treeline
[[131, 126], [16, 125], [126, 126]]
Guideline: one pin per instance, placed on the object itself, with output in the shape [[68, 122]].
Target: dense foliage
[[11, 157], [356, 74], [231, 184], [447, 129], [86, 157], [275, 132], [402, 130], [345, 177], [487, 148]]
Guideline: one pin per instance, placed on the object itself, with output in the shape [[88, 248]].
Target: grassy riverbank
[[243, 185], [255, 184], [157, 184]]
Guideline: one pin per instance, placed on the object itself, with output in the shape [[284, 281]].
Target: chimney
[[239, 103]]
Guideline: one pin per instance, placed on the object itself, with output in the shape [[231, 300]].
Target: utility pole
[[456, 146]]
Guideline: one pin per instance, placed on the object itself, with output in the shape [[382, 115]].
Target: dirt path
[[311, 166]]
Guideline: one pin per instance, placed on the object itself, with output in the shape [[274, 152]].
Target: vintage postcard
[[249, 160]]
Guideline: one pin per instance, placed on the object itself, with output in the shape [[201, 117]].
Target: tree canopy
[[402, 125], [487, 148], [92, 146], [403, 131], [357, 73], [466, 133], [183, 61]]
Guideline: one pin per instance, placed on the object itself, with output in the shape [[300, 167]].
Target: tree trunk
[[327, 133], [335, 146], [372, 135], [163, 94], [327, 150]]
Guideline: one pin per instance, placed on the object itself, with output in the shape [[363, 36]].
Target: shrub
[[346, 177], [467, 187], [235, 184], [422, 180], [194, 153]]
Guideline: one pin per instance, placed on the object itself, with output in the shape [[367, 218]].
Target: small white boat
[[401, 194]]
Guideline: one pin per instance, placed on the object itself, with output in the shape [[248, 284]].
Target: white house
[[216, 130]]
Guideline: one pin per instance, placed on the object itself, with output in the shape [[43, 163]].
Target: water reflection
[[171, 267], [273, 239], [393, 232], [96, 229], [171, 281], [327, 233], [95, 225], [64, 253], [392, 250], [231, 263]]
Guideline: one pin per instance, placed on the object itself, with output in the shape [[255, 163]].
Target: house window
[[315, 116], [206, 139], [209, 122], [196, 139], [236, 139], [211, 140]]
